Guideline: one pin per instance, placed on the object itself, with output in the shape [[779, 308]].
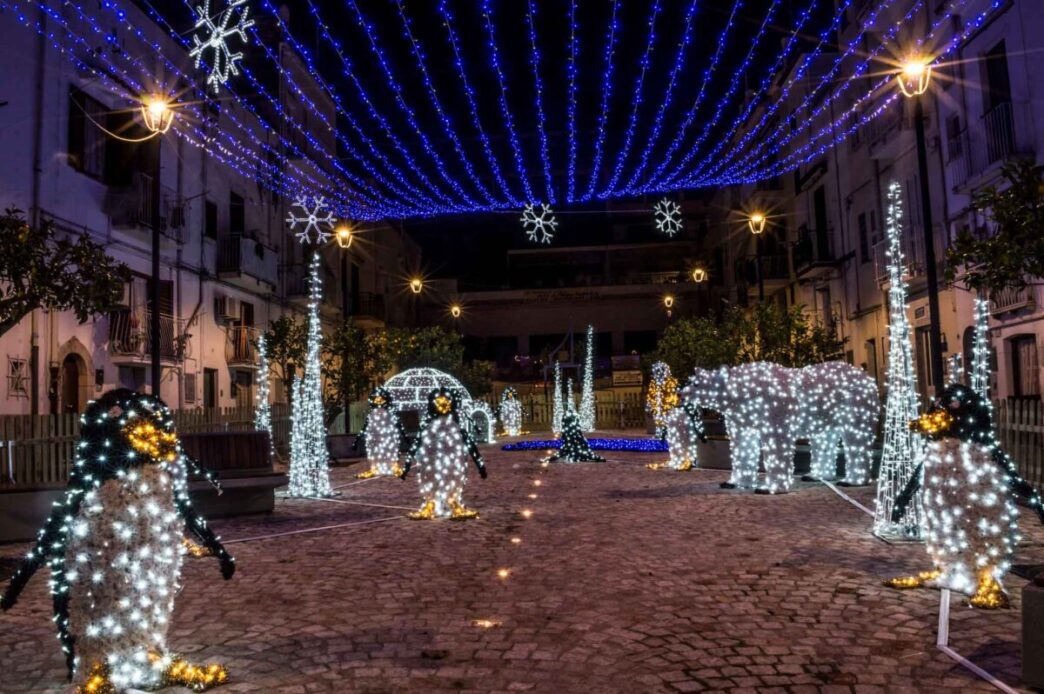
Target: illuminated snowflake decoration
[[317, 219], [539, 224], [667, 214], [216, 30]]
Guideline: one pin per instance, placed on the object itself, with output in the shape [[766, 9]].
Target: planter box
[[242, 463], [24, 511], [340, 447], [1033, 635], [715, 455]]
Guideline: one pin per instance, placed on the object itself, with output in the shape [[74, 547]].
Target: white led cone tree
[[980, 366], [262, 407], [309, 458], [902, 449], [556, 401], [587, 396]]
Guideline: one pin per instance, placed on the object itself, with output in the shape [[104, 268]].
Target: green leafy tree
[[40, 270], [477, 376], [765, 332], [1015, 251], [432, 346], [285, 342], [353, 362]]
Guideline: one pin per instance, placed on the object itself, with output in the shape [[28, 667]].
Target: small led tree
[[262, 408], [587, 396], [980, 366], [309, 458], [902, 448], [575, 448], [662, 396], [556, 402]]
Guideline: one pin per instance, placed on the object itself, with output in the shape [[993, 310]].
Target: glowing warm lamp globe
[[455, 310], [344, 236], [699, 275], [915, 76], [668, 301], [756, 222], [416, 285], [157, 114]]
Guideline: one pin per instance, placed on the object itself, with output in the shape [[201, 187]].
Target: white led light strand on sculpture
[[214, 48], [440, 453], [556, 402], [901, 450], [969, 490], [113, 544], [954, 368], [382, 436], [539, 223], [510, 412], [980, 366], [683, 428], [309, 458], [667, 216], [317, 218], [574, 448], [587, 396], [262, 407]]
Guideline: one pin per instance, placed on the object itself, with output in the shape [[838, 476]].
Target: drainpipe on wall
[[41, 56]]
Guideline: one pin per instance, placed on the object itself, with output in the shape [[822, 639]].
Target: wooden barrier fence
[[1020, 427]]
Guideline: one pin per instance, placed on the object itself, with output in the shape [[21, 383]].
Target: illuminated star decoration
[[317, 219], [667, 215], [539, 224], [222, 60]]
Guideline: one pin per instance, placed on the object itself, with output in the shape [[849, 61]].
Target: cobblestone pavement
[[621, 579]]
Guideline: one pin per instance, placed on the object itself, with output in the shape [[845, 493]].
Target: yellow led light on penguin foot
[[989, 594], [367, 474], [194, 550], [460, 512], [426, 512], [657, 466], [904, 582]]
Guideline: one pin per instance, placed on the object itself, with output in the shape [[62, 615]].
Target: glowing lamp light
[[416, 285], [668, 302], [503, 573], [756, 222], [344, 235], [455, 310], [157, 114], [699, 275], [914, 76]]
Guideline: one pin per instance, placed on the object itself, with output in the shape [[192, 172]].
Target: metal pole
[[345, 308], [154, 293], [761, 277], [931, 273]]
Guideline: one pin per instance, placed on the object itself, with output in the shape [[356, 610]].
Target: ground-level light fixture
[[416, 285], [756, 221], [157, 114], [344, 235], [914, 76]]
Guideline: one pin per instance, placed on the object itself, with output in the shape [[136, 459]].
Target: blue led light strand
[[572, 73], [607, 94], [534, 61]]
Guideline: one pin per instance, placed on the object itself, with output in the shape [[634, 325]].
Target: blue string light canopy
[[420, 108]]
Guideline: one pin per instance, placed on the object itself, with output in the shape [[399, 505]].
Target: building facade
[[229, 265]]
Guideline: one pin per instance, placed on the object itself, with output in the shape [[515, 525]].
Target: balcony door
[[1025, 367]]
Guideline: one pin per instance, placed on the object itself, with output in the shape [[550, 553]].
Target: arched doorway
[[74, 371]]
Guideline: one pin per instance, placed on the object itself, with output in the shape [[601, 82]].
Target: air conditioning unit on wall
[[227, 308]]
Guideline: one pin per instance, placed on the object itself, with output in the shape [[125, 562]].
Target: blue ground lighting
[[639, 445]]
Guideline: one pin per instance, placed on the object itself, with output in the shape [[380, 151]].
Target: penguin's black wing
[[907, 495], [1019, 487], [473, 451], [198, 525]]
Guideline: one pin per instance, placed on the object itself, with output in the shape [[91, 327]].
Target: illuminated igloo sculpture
[[410, 391]]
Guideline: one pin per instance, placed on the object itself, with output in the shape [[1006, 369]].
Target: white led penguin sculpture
[[510, 411], [440, 454], [114, 547], [836, 403], [382, 436], [968, 487], [683, 427]]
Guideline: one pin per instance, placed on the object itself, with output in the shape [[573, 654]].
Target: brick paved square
[[624, 580]]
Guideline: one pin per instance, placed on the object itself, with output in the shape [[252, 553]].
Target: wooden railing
[[1020, 427], [37, 450]]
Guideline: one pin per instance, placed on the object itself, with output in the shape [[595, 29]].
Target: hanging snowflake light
[[216, 30], [667, 215], [539, 224], [317, 219]]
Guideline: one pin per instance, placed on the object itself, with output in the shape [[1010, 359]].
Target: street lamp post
[[344, 237], [914, 80], [756, 222], [157, 116]]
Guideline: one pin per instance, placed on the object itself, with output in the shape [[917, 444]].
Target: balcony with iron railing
[[130, 337], [246, 262], [775, 270], [983, 145], [1011, 300], [367, 305], [131, 206], [812, 252], [241, 346], [912, 245]]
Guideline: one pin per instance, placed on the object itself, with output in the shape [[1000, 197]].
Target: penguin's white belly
[[382, 441], [969, 515], [681, 442], [511, 417], [442, 466], [123, 560]]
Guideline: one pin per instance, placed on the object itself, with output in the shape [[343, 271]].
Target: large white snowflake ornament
[[539, 224], [214, 47], [317, 219], [667, 215]]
